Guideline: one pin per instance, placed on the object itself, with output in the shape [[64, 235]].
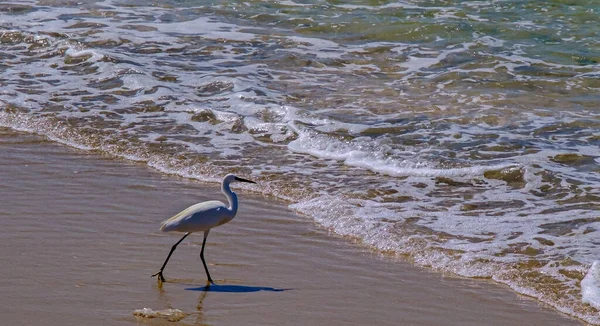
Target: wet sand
[[80, 240]]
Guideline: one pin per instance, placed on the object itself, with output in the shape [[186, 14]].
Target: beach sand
[[80, 240]]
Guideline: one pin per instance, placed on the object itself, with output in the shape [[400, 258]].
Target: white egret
[[202, 217]]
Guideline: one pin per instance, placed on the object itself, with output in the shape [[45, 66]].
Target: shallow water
[[461, 135]]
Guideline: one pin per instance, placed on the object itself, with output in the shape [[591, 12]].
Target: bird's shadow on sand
[[229, 288]]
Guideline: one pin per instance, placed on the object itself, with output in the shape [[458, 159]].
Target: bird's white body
[[200, 217]]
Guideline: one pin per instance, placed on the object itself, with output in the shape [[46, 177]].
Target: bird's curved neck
[[231, 197]]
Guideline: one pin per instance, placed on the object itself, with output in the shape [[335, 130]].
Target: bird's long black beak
[[243, 180]]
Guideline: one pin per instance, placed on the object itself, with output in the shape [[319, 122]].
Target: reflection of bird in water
[[202, 217], [199, 306]]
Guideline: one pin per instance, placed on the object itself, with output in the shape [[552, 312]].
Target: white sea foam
[[76, 52], [172, 315], [590, 286], [374, 156]]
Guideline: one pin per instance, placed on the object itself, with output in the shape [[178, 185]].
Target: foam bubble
[[77, 52], [172, 315]]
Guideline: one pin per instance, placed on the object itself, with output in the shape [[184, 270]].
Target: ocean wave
[[432, 137]]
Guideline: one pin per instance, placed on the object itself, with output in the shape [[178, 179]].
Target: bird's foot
[[160, 276], [208, 284]]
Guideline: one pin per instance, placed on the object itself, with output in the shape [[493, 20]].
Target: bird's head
[[232, 177]]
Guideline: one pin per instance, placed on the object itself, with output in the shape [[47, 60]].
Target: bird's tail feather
[[165, 226]]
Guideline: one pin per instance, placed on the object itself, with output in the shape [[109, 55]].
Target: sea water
[[461, 135]]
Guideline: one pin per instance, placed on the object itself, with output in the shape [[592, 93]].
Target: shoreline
[[86, 229]]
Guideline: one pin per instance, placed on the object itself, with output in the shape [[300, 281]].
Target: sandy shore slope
[[80, 240]]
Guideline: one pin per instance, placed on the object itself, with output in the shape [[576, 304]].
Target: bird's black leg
[[202, 256], [159, 274]]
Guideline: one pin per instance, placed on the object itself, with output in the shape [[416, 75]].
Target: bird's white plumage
[[199, 217]]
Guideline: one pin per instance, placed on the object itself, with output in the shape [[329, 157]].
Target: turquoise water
[[461, 135]]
